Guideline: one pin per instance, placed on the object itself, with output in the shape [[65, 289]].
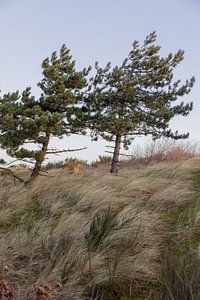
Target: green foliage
[[138, 97], [2, 161], [68, 267], [101, 226], [25, 119]]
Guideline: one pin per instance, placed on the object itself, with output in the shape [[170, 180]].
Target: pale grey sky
[[96, 30]]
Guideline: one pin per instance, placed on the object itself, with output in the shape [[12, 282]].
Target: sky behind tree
[[96, 30]]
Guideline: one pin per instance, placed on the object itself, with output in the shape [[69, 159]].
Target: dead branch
[[44, 171], [44, 175], [120, 153], [13, 161], [109, 152], [65, 150], [110, 147], [12, 173], [20, 159], [129, 155]]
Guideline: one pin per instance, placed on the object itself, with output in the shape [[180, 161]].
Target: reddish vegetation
[[5, 289], [44, 292]]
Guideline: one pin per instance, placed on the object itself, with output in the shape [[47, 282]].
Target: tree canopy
[[25, 119], [138, 97]]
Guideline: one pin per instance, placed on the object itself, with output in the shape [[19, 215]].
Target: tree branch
[[20, 159], [110, 147], [129, 155], [11, 172], [65, 150], [109, 152]]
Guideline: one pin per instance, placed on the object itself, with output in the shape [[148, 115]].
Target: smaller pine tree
[[27, 120]]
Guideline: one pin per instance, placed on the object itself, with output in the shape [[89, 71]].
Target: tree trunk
[[115, 160], [38, 163], [36, 169]]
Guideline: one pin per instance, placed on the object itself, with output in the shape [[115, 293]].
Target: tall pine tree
[[25, 119], [137, 98]]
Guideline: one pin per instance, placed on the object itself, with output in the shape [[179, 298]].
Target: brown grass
[[43, 226], [161, 151]]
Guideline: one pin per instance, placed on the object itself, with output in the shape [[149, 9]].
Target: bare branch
[[45, 175], [13, 161], [28, 161], [110, 146], [126, 154], [120, 153], [109, 152], [44, 171], [65, 150], [11, 172], [20, 159]]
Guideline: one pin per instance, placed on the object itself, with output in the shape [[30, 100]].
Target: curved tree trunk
[[115, 160], [38, 163]]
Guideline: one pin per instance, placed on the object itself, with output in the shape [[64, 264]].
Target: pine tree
[[137, 98], [27, 120]]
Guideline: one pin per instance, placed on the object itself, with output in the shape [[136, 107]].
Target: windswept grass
[[90, 235]]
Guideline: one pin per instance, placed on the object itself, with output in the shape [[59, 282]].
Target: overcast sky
[[102, 30]]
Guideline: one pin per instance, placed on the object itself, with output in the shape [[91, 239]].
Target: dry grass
[[43, 229], [168, 151]]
